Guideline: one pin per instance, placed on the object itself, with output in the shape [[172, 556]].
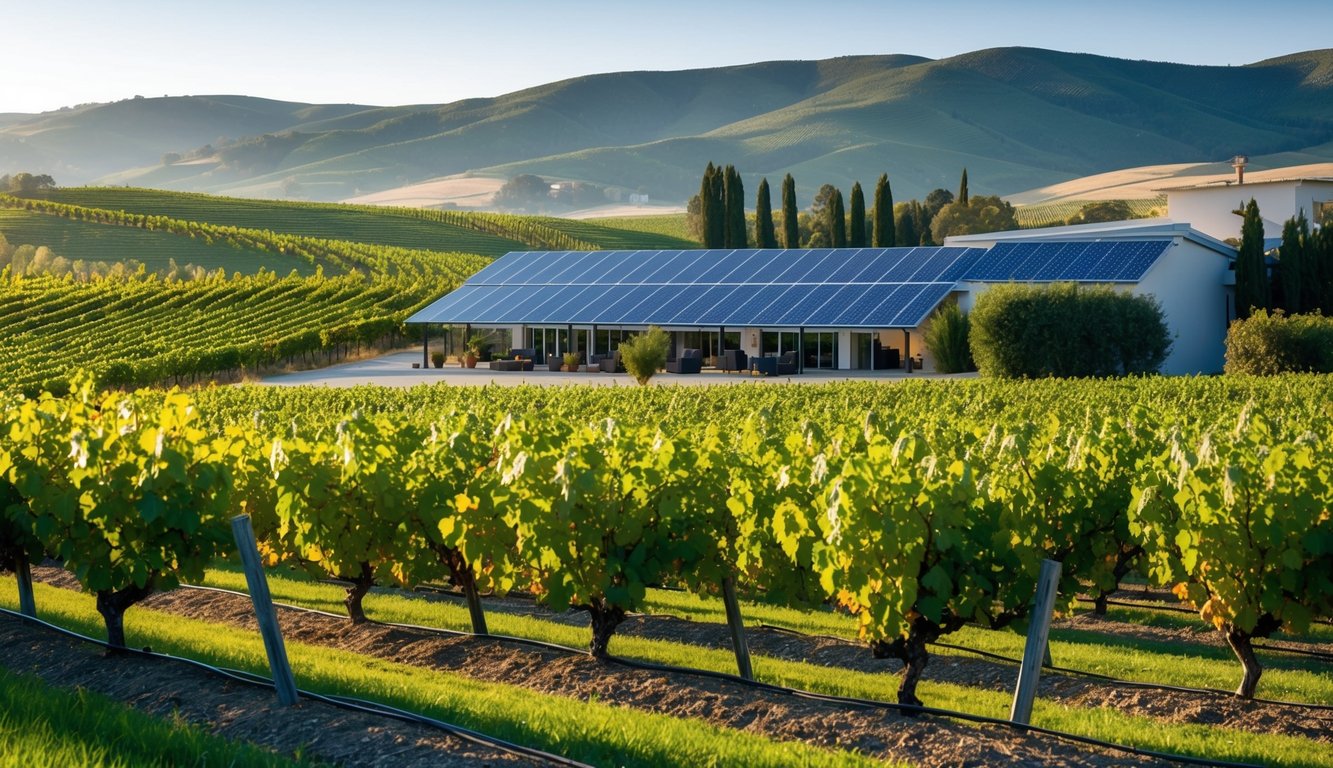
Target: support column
[[800, 350], [425, 346], [907, 350]]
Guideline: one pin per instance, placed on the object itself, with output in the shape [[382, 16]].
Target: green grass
[[668, 224], [1192, 665], [42, 726], [103, 242], [587, 731], [331, 222], [630, 232]]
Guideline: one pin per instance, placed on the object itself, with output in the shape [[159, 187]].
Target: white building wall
[[1209, 209], [1189, 284]]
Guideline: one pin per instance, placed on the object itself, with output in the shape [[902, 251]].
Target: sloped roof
[[1133, 229]]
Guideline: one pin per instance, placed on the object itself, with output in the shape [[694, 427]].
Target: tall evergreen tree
[[717, 211], [962, 189], [884, 236], [921, 220], [1291, 264], [1251, 273], [837, 221], [764, 236], [733, 194], [1323, 248], [791, 229], [1311, 272], [856, 223], [905, 225], [706, 207]]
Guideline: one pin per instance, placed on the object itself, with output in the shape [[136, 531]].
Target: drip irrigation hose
[[1172, 608], [342, 702], [909, 709], [1070, 671]]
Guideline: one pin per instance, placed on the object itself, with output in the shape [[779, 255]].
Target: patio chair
[[690, 361]]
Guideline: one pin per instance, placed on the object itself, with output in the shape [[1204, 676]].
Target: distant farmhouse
[[865, 308]]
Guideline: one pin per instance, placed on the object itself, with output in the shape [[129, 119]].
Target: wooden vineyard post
[[737, 628], [264, 612], [27, 606], [1034, 649]]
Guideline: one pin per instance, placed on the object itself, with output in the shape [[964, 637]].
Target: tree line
[[1298, 281], [717, 217]]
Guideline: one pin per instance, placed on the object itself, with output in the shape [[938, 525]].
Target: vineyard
[[488, 234], [160, 287], [868, 530], [1055, 214]]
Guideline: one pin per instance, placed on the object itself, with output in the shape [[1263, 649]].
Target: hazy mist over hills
[[1017, 118]]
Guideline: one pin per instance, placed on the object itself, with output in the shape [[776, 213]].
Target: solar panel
[[918, 308], [846, 287], [811, 299], [1121, 261], [891, 305], [853, 263]]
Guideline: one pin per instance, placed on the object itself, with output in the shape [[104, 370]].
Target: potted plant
[[476, 348], [571, 362], [437, 359]]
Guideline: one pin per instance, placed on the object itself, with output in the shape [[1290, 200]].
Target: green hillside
[[364, 225], [156, 250], [1017, 118], [466, 232]]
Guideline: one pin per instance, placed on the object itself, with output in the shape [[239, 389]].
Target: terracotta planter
[[470, 361]]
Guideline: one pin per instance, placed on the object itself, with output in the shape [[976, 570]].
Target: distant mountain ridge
[[1017, 118]]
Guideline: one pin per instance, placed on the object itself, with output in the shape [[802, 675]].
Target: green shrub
[[1266, 345], [1033, 331], [947, 339], [645, 354]]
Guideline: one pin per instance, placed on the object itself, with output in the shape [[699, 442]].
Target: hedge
[[1062, 329], [1266, 345]]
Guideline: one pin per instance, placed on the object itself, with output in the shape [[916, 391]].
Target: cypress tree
[[1291, 263], [1251, 272], [1323, 248], [706, 207], [962, 189], [837, 221], [735, 235], [856, 224], [707, 212], [1311, 273], [791, 230], [764, 236], [921, 219], [717, 211], [884, 236], [905, 224]]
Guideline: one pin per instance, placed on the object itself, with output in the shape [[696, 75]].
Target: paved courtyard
[[395, 370]]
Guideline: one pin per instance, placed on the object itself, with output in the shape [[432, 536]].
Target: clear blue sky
[[65, 52]]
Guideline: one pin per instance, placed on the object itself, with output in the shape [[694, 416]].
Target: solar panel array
[[1083, 261], [815, 288]]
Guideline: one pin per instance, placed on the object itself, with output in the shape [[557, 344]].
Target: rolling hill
[[1017, 118]]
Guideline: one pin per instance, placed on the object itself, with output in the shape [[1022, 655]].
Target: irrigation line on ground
[[1172, 608], [1070, 671], [907, 709], [342, 702]]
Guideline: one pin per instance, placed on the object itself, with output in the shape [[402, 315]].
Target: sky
[[67, 52]]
